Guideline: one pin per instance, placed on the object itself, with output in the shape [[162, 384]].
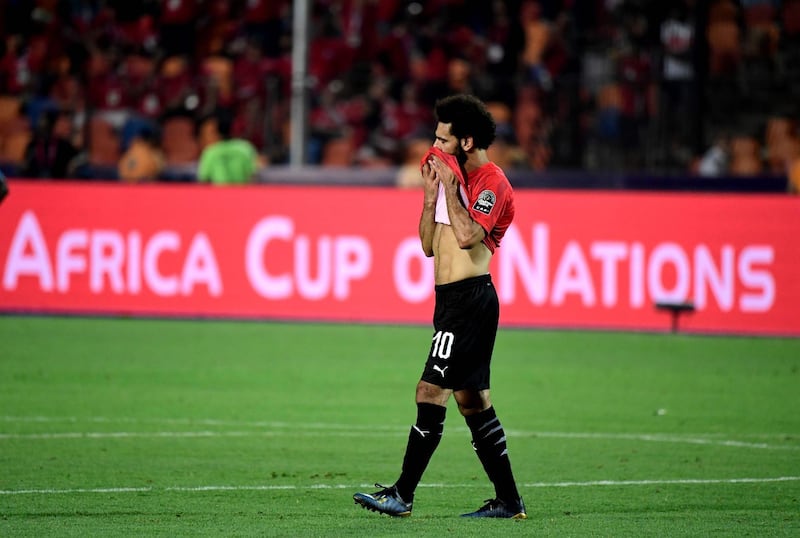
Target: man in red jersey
[[468, 206]]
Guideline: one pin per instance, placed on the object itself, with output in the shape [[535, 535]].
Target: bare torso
[[452, 263]]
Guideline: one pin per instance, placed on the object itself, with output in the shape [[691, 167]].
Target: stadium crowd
[[132, 89]]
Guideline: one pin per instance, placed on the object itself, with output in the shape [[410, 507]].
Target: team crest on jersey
[[485, 202]]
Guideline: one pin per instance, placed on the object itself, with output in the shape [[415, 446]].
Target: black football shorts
[[464, 329]]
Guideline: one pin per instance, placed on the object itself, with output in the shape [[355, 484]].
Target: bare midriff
[[451, 262]]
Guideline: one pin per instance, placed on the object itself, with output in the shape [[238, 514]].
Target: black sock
[[489, 442], [423, 439]]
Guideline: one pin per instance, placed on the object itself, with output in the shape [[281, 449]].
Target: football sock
[[489, 442], [423, 439]]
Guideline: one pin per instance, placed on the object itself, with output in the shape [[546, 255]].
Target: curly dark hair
[[468, 116]]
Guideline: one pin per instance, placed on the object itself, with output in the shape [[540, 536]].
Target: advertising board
[[571, 259]]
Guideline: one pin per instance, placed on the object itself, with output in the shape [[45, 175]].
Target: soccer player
[[468, 206]]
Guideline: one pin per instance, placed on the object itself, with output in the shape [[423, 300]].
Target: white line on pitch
[[345, 427], [198, 422], [354, 430], [592, 483], [653, 438]]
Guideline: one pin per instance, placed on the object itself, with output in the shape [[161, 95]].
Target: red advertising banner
[[584, 259]]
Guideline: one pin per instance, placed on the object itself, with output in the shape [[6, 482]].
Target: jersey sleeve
[[488, 198]]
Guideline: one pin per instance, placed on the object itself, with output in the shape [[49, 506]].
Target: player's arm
[[468, 233], [427, 220]]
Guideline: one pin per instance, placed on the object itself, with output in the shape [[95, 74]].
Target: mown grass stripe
[[299, 432], [591, 483]]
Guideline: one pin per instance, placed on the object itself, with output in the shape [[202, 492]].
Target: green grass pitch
[[131, 427]]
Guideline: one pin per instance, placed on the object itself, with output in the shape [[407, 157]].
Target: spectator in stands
[[13, 77], [330, 57], [229, 160], [794, 177], [3, 186], [151, 59], [328, 120], [50, 153], [178, 25], [537, 38], [677, 71], [143, 160], [715, 161], [263, 23], [634, 83]]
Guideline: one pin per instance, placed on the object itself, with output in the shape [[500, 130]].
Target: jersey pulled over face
[[486, 192], [446, 140], [487, 196]]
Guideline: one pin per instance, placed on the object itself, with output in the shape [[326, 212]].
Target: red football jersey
[[490, 196], [491, 202]]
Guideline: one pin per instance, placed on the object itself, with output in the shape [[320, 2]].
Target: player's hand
[[429, 182], [443, 172]]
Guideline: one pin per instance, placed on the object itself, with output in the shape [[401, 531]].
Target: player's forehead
[[443, 131]]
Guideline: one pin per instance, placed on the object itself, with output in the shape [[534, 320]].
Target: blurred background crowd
[[137, 89]]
